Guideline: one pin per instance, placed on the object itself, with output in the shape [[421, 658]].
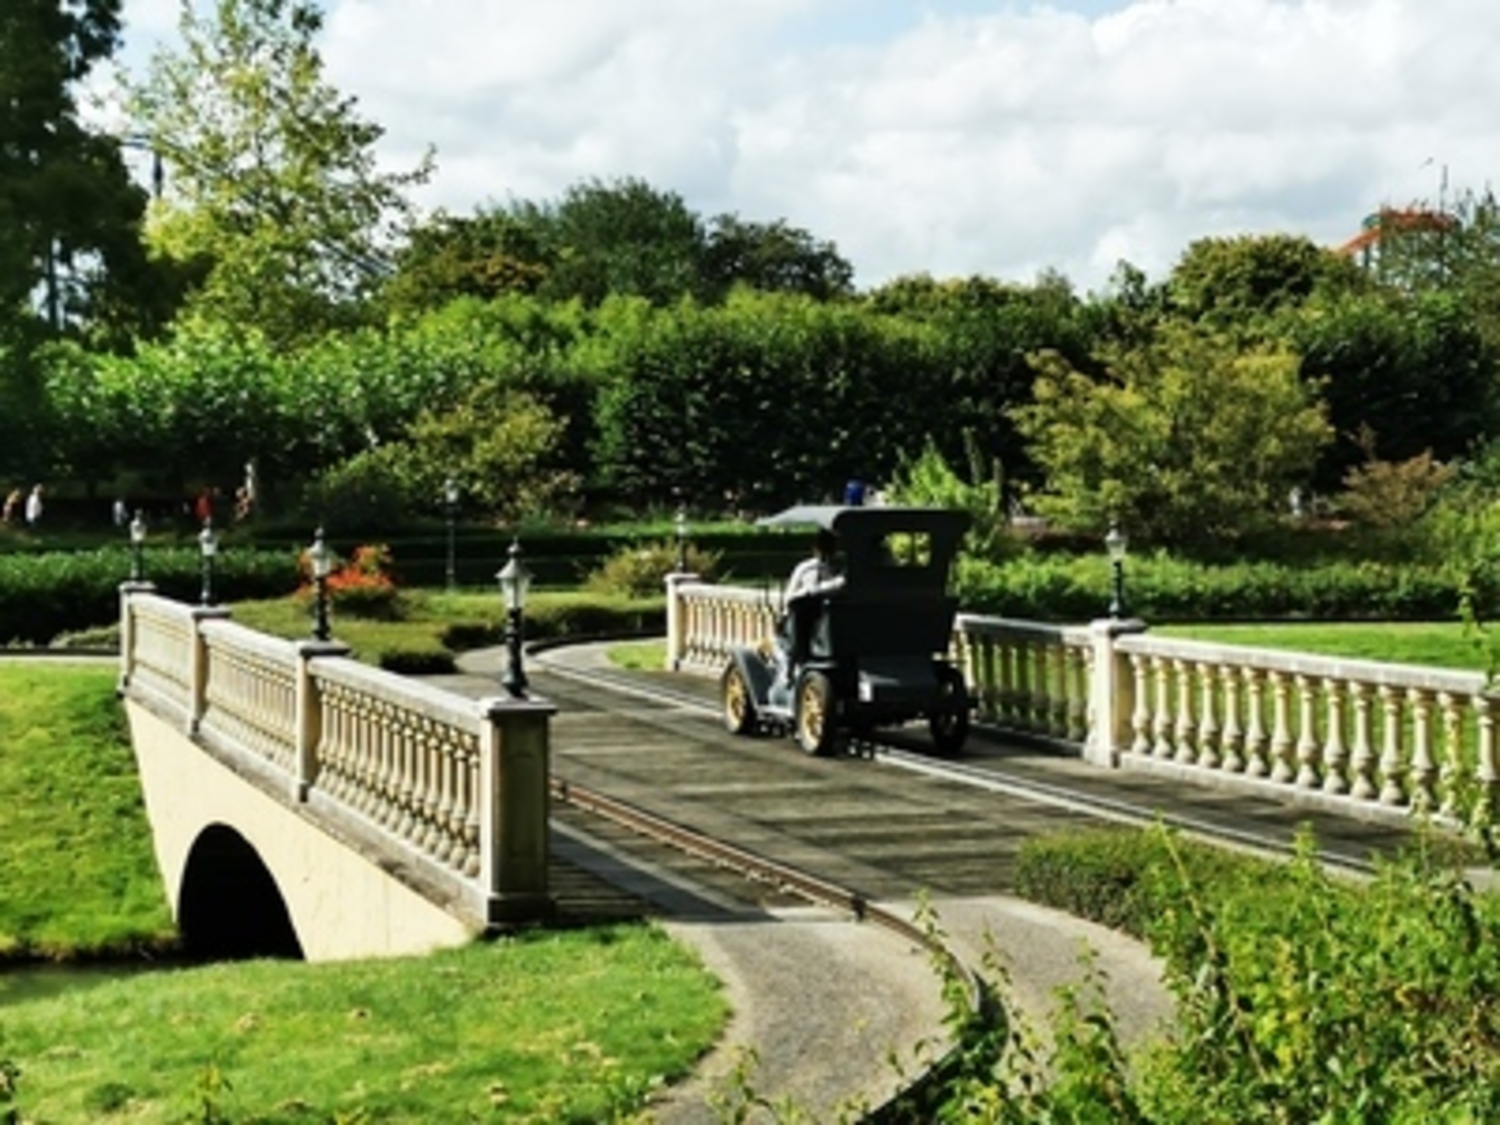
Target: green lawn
[[548, 1027], [1441, 644], [79, 875], [1444, 644]]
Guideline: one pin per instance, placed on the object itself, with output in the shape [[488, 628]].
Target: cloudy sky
[[949, 137]]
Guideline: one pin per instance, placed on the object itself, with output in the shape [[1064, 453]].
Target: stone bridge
[[302, 803]]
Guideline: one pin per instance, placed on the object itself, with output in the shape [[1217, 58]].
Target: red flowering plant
[[360, 586]]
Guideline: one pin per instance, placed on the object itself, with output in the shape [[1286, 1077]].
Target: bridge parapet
[[448, 793], [1364, 737]]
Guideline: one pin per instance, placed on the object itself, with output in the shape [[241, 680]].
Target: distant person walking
[[13, 501], [34, 506]]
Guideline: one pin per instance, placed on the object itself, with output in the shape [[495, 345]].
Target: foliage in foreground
[[1300, 997]]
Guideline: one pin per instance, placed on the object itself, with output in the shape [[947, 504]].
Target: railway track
[[999, 785]]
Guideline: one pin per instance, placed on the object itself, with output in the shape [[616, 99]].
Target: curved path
[[832, 1015]]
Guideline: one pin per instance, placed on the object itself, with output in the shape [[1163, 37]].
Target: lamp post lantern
[[208, 549], [514, 580], [450, 502], [322, 565], [681, 524], [137, 546], [1115, 544]]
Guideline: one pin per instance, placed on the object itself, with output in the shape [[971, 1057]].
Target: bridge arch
[[219, 832], [229, 906]]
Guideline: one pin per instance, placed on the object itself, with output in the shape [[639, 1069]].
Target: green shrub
[[410, 661], [1301, 996], [1112, 876], [641, 571], [558, 616]]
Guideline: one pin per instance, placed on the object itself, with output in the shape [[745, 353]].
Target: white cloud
[[974, 138]]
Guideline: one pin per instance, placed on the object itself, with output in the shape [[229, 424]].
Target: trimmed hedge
[[1163, 589], [45, 595]]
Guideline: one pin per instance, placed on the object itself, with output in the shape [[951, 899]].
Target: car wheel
[[948, 721], [738, 704], [815, 713]]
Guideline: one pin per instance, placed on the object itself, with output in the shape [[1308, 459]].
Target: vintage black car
[[872, 652]]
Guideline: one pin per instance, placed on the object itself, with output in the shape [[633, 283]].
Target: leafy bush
[[409, 661], [1301, 997], [641, 571], [928, 480]]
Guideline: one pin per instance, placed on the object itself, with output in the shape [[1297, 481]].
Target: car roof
[[874, 518]]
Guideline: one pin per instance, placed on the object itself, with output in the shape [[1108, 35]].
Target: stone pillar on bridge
[[309, 720], [515, 808], [198, 663], [1110, 693], [129, 589], [676, 618]]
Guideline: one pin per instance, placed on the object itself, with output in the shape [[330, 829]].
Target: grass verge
[[580, 1026], [80, 878]]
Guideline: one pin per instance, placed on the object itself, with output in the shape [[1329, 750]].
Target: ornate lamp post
[[514, 580], [681, 525], [137, 546], [322, 565], [208, 550], [450, 502], [1115, 544]]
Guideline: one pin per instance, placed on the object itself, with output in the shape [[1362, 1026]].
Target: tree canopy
[[274, 183], [69, 215]]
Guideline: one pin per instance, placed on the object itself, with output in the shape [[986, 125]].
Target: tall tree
[[624, 238], [1185, 440], [774, 258], [273, 173], [68, 211]]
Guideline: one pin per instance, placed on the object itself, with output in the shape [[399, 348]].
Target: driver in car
[[813, 575]]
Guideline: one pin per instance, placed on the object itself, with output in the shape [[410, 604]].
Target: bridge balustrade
[[452, 787], [1366, 737]]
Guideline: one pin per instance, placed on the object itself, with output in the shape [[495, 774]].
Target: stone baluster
[[1063, 690], [989, 678], [1232, 738], [1161, 711], [1256, 740], [1023, 685], [1079, 678], [1185, 728], [1208, 722], [1140, 716], [1486, 763], [1362, 756], [1335, 750], [1391, 753], [424, 750], [1423, 772], [1454, 770], [1307, 733], [1281, 726]]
